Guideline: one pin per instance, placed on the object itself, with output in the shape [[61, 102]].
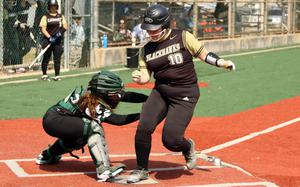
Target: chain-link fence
[[206, 19], [21, 36], [89, 21]]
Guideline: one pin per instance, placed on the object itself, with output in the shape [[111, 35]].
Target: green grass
[[260, 79]]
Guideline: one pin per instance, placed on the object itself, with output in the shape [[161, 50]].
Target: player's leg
[[45, 61], [179, 115], [70, 133], [58, 50], [99, 153], [153, 112]]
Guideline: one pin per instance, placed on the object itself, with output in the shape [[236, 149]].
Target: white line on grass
[[63, 76], [122, 69]]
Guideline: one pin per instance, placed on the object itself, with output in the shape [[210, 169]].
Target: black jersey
[[170, 61], [54, 23]]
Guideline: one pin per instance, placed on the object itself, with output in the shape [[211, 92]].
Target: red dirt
[[273, 157]]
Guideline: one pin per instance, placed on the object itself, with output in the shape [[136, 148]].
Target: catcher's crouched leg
[[99, 153], [54, 153]]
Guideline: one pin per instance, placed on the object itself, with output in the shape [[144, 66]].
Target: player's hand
[[23, 25], [136, 76], [227, 64], [52, 39]]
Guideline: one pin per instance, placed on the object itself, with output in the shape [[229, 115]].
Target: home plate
[[122, 179]]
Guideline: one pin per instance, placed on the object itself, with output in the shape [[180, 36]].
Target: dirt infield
[[261, 145]]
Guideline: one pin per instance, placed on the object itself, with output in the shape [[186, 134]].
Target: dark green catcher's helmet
[[105, 82]]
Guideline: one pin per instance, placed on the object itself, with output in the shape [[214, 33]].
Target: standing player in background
[[52, 25], [77, 121], [169, 55]]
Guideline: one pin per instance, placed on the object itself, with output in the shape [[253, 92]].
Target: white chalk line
[[250, 136], [19, 171]]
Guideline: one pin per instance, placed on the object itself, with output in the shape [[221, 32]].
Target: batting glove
[[52, 39], [227, 64]]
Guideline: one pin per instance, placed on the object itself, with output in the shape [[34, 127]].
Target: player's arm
[[133, 97], [119, 120], [143, 75], [197, 49], [43, 26]]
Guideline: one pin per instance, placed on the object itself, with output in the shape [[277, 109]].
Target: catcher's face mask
[[113, 98]]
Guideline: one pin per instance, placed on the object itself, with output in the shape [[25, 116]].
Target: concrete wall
[[117, 55], [248, 43], [108, 56]]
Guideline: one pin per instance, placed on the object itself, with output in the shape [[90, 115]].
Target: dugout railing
[[206, 19]]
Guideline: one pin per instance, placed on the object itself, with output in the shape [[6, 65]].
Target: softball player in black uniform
[[52, 25], [169, 55], [76, 121]]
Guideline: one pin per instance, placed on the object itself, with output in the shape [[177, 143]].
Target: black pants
[[176, 105], [57, 51], [68, 129]]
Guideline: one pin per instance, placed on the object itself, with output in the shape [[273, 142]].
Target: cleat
[[45, 78], [137, 176], [57, 78], [105, 174], [46, 158], [115, 170], [190, 156], [11, 71]]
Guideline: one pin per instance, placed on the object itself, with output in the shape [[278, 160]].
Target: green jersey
[[69, 105]]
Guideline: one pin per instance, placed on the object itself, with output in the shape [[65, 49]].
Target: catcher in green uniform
[[76, 121]]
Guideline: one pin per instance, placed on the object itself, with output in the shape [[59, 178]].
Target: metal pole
[[67, 35], [231, 18], [265, 17], [294, 15], [1, 34], [94, 29], [94, 24], [113, 16], [289, 18], [195, 19]]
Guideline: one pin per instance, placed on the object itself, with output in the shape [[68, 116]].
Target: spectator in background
[[139, 33], [123, 33], [11, 54], [77, 39], [173, 24], [23, 28]]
